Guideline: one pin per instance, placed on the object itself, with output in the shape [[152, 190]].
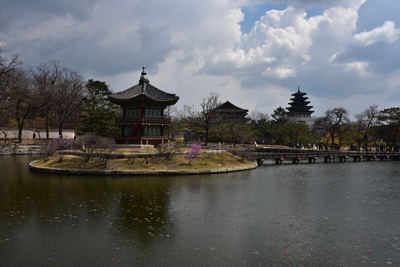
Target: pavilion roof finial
[[298, 88], [143, 77]]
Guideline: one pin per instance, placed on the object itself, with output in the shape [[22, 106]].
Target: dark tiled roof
[[228, 106], [143, 89], [147, 90], [299, 104]]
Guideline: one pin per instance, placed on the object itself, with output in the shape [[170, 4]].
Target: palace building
[[144, 120], [230, 112]]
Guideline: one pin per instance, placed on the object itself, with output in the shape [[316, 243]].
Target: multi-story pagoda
[[299, 110], [143, 120], [299, 105]]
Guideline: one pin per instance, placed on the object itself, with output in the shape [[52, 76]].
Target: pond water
[[322, 214]]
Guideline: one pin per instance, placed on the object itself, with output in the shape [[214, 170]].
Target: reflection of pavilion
[[139, 212], [141, 209], [144, 119]]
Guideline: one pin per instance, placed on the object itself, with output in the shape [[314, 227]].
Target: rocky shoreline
[[135, 173]]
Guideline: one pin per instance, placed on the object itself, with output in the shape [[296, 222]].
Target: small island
[[140, 145], [140, 162]]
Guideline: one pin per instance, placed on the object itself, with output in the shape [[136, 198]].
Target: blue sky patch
[[254, 12], [312, 12]]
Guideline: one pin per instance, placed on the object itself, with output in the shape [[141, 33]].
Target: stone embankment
[[135, 173], [19, 149]]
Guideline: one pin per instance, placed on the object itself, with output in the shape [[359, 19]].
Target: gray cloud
[[79, 9], [335, 55]]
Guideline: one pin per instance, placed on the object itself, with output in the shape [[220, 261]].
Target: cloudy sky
[[254, 53]]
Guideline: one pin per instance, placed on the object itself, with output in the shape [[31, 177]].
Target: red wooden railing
[[144, 120]]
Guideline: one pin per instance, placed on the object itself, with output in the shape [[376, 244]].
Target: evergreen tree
[[98, 113], [388, 126], [280, 116]]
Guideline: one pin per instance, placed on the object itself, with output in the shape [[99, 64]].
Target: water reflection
[[291, 215]]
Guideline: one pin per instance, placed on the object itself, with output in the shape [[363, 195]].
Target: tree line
[[49, 96], [370, 128]]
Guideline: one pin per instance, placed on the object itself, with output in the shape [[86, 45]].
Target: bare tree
[[46, 76], [68, 98], [258, 116], [335, 123], [22, 99], [366, 120], [95, 146], [204, 120], [5, 123], [7, 67], [233, 132]]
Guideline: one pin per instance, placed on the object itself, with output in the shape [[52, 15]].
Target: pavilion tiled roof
[[143, 90], [228, 106]]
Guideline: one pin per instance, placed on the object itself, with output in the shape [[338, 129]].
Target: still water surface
[[333, 214]]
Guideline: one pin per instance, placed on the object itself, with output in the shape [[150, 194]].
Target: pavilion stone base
[[133, 146], [141, 143]]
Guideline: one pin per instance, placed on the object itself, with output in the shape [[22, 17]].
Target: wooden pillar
[[142, 115]]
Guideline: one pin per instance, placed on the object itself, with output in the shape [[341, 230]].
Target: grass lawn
[[178, 163]]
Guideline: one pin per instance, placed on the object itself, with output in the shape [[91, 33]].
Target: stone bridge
[[328, 156]]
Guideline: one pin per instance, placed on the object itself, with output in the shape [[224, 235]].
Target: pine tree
[[98, 113]]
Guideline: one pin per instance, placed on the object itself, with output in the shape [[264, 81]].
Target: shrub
[[168, 150], [192, 152], [49, 148], [90, 143]]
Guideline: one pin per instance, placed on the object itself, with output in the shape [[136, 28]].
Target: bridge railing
[[324, 154]]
